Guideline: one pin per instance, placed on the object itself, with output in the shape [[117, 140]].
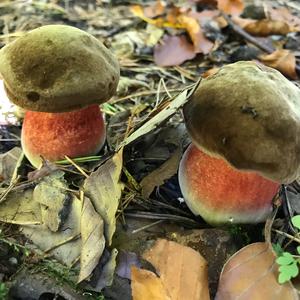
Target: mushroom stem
[[56, 135]]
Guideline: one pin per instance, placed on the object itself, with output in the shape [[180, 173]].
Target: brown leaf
[[284, 15], [183, 271], [283, 60], [158, 176], [146, 285], [210, 72], [93, 241], [174, 50], [264, 27], [231, 7], [200, 42], [252, 273], [157, 9]]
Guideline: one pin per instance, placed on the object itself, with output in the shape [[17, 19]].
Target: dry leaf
[[54, 199], [283, 14], [161, 115], [8, 163], [183, 271], [252, 273], [200, 42], [231, 7], [146, 285], [158, 176], [264, 27], [155, 10], [104, 189], [178, 18], [64, 244], [210, 72], [93, 241], [283, 60], [173, 51], [19, 208]]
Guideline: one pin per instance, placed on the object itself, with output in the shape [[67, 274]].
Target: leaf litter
[[162, 50]]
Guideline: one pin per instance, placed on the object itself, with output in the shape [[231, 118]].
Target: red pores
[[54, 135], [221, 194]]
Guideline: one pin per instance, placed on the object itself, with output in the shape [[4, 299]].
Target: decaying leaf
[[8, 162], [210, 72], [103, 274], [231, 7], [173, 50], [264, 27], [146, 285], [252, 273], [182, 270], [104, 189], [93, 241], [54, 199], [158, 176], [64, 244], [161, 115], [125, 261], [179, 19], [283, 60], [19, 208], [284, 14]]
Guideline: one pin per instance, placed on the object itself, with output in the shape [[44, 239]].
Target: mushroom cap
[[249, 114], [58, 68]]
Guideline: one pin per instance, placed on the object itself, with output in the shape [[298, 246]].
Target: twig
[[146, 226], [287, 235]]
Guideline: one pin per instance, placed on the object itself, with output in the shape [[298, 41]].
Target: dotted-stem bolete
[[245, 122], [58, 73]]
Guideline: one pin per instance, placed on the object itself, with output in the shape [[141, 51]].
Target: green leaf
[[285, 259], [278, 249], [298, 249], [287, 272], [296, 221]]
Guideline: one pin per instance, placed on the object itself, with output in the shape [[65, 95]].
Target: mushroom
[[58, 73], [245, 121]]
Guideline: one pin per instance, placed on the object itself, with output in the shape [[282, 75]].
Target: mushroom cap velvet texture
[[248, 114], [54, 135], [220, 193], [58, 68]]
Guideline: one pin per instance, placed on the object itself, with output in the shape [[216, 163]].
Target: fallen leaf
[[93, 241], [54, 199], [200, 42], [183, 271], [162, 173], [157, 9], [8, 163], [19, 208], [283, 60], [252, 273], [264, 27], [173, 51], [210, 72], [284, 14], [104, 189], [125, 261], [64, 244], [146, 285], [231, 7], [103, 275], [161, 114]]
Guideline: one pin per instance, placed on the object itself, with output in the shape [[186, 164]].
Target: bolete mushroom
[[245, 120], [58, 73]]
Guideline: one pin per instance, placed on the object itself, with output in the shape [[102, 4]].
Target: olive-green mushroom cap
[[58, 68], [248, 114]]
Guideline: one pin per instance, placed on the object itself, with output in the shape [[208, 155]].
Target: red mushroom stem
[[54, 135]]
